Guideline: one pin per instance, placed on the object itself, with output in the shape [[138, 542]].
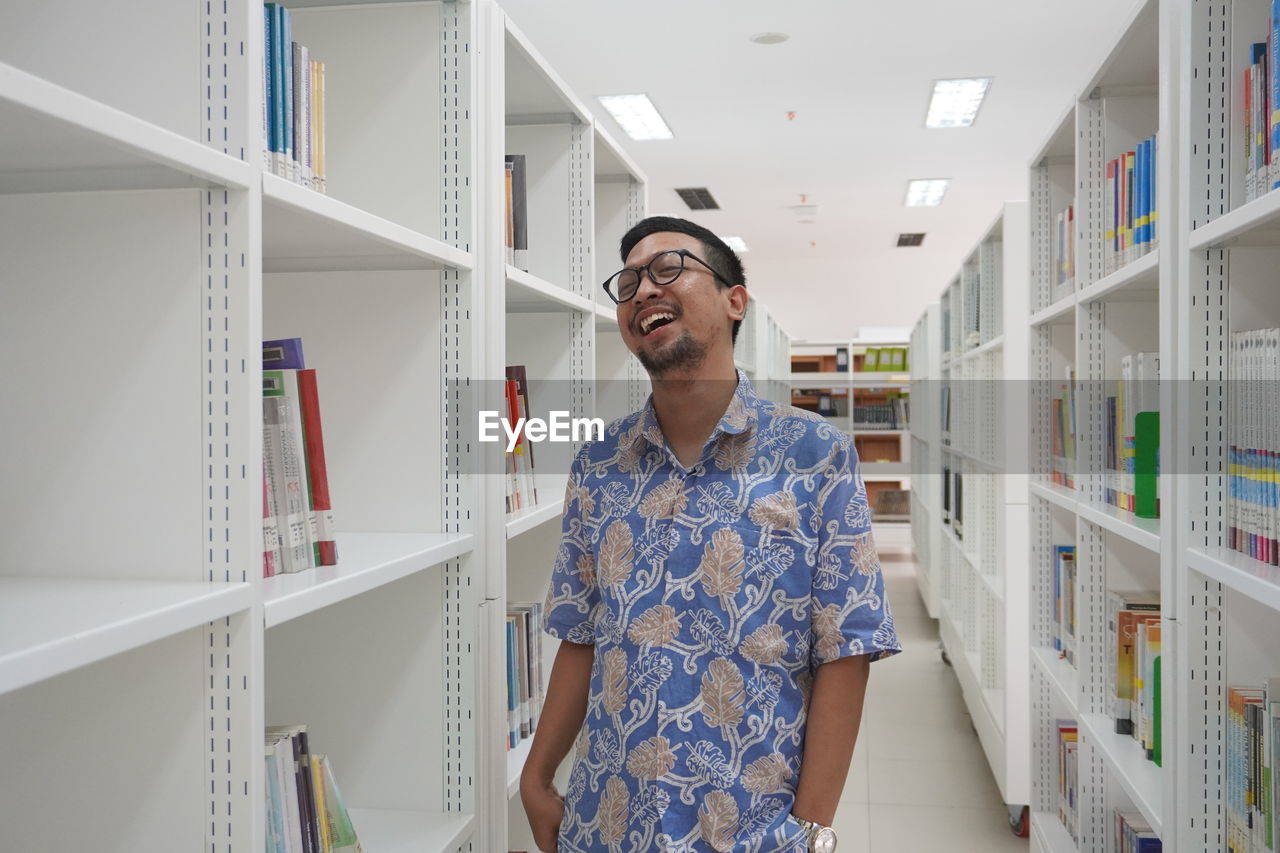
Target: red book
[[317, 473]]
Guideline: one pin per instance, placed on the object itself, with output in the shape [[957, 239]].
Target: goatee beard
[[684, 353]]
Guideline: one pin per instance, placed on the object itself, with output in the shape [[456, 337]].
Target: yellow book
[[322, 811]]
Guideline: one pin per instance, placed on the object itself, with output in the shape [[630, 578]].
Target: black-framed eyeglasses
[[662, 270]]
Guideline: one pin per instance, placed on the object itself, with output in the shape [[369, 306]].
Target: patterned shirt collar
[[741, 415]]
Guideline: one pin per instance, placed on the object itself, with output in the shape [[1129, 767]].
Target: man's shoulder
[[619, 432], [811, 432]]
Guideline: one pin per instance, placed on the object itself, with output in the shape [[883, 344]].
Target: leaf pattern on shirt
[[718, 820], [765, 645], [707, 762], [587, 569], [864, 556], [757, 819], [656, 545], [826, 632], [768, 562], [764, 690], [649, 672], [608, 752], [656, 626], [666, 501], [766, 775], [613, 811], [615, 499], [717, 502], [734, 452], [721, 565], [615, 681], [722, 693], [651, 759], [709, 631], [777, 510], [616, 555], [648, 806]]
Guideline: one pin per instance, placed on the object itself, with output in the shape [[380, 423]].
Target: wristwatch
[[822, 839]]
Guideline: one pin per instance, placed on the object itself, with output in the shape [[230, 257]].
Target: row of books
[[1064, 601], [1134, 834], [1261, 115], [1062, 432], [1134, 668], [517, 210], [297, 511], [525, 686], [884, 359], [1064, 251], [1253, 440], [521, 489], [292, 103], [1069, 776], [1253, 757], [1131, 215], [894, 414], [305, 810], [1133, 436]]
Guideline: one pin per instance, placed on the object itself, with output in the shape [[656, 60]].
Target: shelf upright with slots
[[1226, 599], [973, 496]]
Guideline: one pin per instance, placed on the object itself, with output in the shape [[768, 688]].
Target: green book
[[1155, 712], [1146, 464]]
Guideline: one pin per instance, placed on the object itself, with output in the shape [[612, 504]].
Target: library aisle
[[919, 781]]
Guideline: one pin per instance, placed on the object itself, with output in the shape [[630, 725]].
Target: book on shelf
[[1064, 601], [1252, 746], [1146, 690], [522, 492], [1130, 212], [524, 671], [292, 103], [1062, 432], [1135, 393], [306, 812], [957, 504], [842, 359], [294, 462], [270, 530], [1068, 743], [1261, 120], [1064, 252], [517, 210], [1253, 444], [1126, 611], [1134, 834]]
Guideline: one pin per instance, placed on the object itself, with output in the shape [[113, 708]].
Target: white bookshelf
[[968, 391]]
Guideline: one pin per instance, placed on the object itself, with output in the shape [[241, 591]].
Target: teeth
[[648, 322]]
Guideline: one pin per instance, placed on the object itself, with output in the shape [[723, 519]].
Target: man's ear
[[738, 299]]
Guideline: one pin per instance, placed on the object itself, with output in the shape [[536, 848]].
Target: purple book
[[284, 354]]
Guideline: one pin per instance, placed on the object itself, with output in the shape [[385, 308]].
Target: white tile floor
[[919, 782]]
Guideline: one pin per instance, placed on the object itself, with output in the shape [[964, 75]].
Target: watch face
[[825, 841]]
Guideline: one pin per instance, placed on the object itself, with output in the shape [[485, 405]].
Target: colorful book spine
[[285, 476], [326, 546], [268, 91], [1273, 90], [283, 354]]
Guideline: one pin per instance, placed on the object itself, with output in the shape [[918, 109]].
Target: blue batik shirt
[[712, 594]]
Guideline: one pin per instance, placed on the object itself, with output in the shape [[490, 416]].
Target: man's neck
[[689, 404]]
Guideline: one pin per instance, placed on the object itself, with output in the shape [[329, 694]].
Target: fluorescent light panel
[[927, 192], [955, 103], [735, 243], [636, 115]]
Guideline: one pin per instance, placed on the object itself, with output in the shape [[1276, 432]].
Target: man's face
[[701, 308]]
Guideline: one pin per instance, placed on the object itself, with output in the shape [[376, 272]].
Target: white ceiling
[[858, 75]]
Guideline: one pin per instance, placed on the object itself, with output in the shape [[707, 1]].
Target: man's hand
[[545, 808]]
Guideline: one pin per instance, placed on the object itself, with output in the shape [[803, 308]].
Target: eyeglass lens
[[663, 269]]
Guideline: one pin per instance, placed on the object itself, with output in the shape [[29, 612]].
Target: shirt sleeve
[[850, 614], [573, 599]]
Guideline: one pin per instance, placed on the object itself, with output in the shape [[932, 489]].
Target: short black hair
[[718, 254]]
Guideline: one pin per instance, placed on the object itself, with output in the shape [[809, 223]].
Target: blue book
[[277, 93], [513, 687], [1148, 176], [1273, 91], [1155, 182], [286, 83], [268, 125], [1139, 197], [283, 354]]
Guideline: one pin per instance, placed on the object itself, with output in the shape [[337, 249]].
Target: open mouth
[[656, 321]]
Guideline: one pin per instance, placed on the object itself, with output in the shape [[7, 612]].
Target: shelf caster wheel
[[1020, 820]]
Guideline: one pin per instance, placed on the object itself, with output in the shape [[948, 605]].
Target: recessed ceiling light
[[736, 243], [955, 102], [770, 38], [927, 192], [636, 115]]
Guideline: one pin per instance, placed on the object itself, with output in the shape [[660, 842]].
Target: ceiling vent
[[698, 198], [905, 240]]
